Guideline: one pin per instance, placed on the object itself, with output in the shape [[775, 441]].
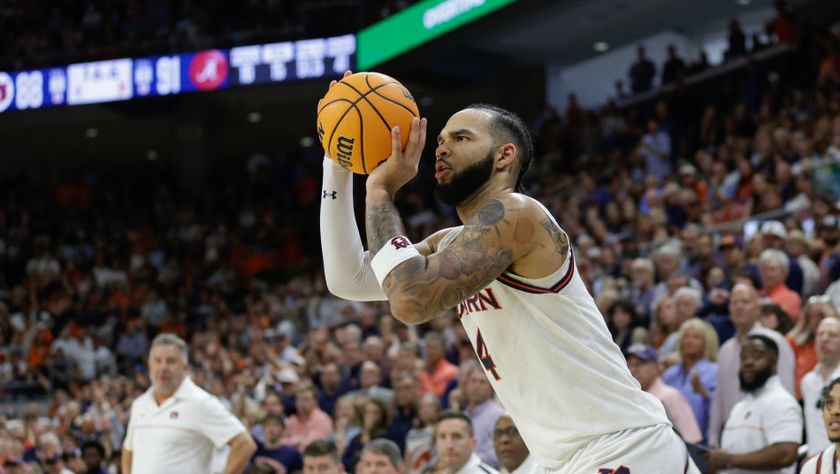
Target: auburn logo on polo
[[173, 415]]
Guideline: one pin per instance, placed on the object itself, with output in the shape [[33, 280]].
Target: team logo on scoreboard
[[7, 91], [208, 70]]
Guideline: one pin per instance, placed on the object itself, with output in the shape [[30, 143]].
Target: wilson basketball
[[356, 116]]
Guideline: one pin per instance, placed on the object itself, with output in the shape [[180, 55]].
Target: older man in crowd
[[745, 312], [176, 409]]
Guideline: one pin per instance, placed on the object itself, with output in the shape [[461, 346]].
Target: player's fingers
[[347, 73], [421, 129], [396, 142], [411, 146]]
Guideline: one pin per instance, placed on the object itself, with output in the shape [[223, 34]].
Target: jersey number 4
[[484, 355]]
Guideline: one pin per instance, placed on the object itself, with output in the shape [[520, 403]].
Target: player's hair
[[509, 127], [385, 447], [169, 339], [826, 391], [92, 443], [454, 415], [322, 447], [770, 343]]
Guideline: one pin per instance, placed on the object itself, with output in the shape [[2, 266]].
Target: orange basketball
[[356, 116]]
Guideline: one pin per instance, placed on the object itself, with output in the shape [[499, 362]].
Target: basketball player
[[509, 272], [826, 461]]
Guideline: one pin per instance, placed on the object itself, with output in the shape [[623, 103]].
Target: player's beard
[[466, 182], [760, 378]]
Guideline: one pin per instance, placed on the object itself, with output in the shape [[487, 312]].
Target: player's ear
[[506, 155]]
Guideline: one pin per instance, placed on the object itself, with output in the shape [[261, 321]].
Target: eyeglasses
[[511, 432]]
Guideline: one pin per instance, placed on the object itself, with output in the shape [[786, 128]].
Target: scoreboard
[[208, 70]]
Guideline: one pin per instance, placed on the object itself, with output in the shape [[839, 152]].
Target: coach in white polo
[[175, 425]]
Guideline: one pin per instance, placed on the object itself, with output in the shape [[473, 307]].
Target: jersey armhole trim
[[508, 280]]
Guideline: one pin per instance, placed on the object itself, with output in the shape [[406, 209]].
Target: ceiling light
[[601, 46], [307, 142], [254, 117], [152, 155], [92, 133], [743, 3]]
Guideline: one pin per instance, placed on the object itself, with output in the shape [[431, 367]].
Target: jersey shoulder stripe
[[508, 280]]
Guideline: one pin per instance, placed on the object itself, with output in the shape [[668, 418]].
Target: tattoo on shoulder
[[561, 240], [491, 213], [466, 264]]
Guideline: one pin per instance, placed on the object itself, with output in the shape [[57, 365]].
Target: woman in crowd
[[802, 337], [695, 376], [346, 421], [625, 325], [419, 443], [376, 421], [664, 321]]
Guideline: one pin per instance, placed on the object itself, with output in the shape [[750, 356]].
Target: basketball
[[355, 119]]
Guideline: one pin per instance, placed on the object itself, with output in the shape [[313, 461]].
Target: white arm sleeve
[[346, 263]]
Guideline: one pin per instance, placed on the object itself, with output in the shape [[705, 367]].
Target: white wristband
[[395, 252]]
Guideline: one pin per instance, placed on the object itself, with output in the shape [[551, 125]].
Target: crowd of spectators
[[655, 198], [42, 33], [642, 73]]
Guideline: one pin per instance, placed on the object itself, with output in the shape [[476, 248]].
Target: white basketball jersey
[[548, 353]]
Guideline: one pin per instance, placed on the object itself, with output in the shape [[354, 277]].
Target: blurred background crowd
[[668, 203]]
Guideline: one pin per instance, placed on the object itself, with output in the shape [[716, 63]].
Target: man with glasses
[[514, 457]]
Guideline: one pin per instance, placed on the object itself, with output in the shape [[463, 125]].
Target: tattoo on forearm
[[561, 240], [382, 223], [467, 264]]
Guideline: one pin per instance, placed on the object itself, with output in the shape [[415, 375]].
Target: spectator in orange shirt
[[773, 267], [438, 371], [802, 337]]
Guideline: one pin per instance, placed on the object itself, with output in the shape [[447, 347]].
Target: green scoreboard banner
[[416, 25]]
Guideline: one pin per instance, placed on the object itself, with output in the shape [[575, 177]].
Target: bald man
[[744, 311]]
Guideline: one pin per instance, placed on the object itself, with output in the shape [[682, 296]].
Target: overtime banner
[[214, 69]]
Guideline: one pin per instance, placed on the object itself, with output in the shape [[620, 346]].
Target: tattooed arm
[[421, 287]]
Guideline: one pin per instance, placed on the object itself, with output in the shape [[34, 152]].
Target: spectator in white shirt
[[175, 426], [764, 429], [826, 370]]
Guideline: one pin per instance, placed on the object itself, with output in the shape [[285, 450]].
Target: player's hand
[[332, 84], [401, 166]]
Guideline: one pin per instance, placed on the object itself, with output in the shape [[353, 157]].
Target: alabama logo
[[7, 91], [208, 70]]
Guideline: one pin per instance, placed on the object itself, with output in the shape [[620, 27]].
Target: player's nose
[[441, 151]]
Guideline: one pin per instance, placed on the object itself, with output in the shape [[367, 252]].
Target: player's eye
[[461, 138]]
